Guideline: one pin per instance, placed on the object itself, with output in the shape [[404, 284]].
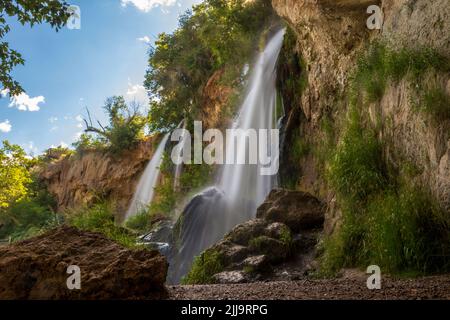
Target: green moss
[[257, 243], [286, 236], [204, 267]]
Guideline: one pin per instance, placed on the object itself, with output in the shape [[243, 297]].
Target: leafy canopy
[[214, 34], [14, 174]]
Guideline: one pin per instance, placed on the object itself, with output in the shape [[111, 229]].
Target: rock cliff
[[83, 178], [329, 37]]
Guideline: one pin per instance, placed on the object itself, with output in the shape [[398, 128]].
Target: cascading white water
[[144, 192], [179, 167], [240, 188]]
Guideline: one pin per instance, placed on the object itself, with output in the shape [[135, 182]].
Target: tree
[[125, 126], [54, 12], [214, 35], [14, 174]]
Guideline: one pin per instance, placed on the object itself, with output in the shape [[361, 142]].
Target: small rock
[[256, 263], [229, 277]]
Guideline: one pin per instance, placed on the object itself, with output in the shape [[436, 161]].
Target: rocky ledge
[[37, 268], [278, 244]]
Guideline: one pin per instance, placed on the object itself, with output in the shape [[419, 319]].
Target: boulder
[[37, 268], [298, 210]]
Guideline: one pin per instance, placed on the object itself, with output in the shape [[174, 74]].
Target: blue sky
[[66, 72]]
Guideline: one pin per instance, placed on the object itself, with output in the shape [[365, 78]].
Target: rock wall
[[83, 178], [330, 35]]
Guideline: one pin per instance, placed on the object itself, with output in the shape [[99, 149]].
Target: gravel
[[354, 287]]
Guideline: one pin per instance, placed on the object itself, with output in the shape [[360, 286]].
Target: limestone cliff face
[[330, 34], [81, 179]]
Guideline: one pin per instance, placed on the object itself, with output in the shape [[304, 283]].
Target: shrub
[[100, 218], [204, 267], [26, 218], [140, 222]]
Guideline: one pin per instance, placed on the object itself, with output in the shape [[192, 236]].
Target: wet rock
[[244, 232], [229, 277], [37, 268], [298, 210], [232, 252], [275, 249], [277, 230], [256, 263]]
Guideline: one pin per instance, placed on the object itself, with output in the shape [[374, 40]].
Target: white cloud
[[147, 5], [137, 92], [32, 148], [145, 39], [24, 102], [79, 118], [63, 144], [52, 119], [54, 128], [80, 126], [5, 126], [4, 92]]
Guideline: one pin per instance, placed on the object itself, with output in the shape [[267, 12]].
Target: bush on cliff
[[124, 130]]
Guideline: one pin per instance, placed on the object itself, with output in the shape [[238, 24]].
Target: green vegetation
[[141, 222], [124, 130], [14, 174], [53, 12], [25, 205], [166, 197], [382, 65], [100, 218], [387, 220], [206, 40], [355, 170], [204, 267]]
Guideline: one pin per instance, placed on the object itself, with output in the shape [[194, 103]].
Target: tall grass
[[386, 220], [100, 218]]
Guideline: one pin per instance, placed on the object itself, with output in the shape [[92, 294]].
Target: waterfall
[[240, 188], [179, 156], [143, 194]]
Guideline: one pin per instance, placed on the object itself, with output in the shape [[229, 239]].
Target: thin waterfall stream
[[143, 195]]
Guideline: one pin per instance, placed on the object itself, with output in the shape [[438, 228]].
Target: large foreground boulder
[[37, 268]]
